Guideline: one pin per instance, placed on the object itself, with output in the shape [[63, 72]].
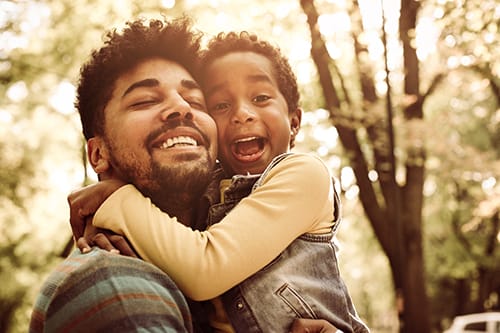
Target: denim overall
[[302, 282]]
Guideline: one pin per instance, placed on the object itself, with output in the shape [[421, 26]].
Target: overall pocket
[[296, 302]]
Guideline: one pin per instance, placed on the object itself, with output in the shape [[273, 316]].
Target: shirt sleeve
[[295, 197]]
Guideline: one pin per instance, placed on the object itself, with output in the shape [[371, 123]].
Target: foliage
[[462, 229], [462, 241], [43, 43], [39, 149]]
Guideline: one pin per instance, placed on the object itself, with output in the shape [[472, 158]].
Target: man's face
[[157, 133]]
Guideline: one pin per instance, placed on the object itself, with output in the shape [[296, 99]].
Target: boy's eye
[[260, 98], [219, 107]]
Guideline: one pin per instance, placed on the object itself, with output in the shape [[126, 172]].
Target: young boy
[[270, 258]]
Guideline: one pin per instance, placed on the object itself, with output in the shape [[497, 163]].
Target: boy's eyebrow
[[250, 78], [214, 89], [142, 83], [259, 78]]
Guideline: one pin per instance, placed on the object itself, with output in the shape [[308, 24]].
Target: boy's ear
[[295, 119], [98, 155]]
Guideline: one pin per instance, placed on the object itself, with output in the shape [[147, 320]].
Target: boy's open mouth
[[248, 149]]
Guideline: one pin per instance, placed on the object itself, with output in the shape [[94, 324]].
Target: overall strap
[[271, 165], [336, 197]]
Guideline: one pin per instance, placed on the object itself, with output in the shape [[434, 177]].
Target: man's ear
[[98, 155], [295, 119]]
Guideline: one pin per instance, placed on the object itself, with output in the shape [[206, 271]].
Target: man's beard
[[174, 187], [180, 185]]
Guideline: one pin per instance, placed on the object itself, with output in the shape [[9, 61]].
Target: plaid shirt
[[104, 292]]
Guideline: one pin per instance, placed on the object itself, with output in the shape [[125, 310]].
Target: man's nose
[[243, 113], [178, 107]]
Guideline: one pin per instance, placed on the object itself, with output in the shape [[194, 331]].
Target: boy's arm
[[84, 202], [296, 197]]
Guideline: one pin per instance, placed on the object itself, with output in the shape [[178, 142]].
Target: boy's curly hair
[[225, 43], [123, 50]]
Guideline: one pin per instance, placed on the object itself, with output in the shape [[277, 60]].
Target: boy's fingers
[[122, 245], [312, 326], [76, 221], [102, 241], [83, 245], [81, 205]]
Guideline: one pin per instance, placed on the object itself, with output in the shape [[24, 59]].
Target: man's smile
[[179, 137], [179, 141]]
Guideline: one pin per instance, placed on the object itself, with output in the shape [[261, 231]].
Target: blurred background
[[401, 99]]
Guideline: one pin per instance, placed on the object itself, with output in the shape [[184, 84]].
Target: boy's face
[[156, 128], [251, 114]]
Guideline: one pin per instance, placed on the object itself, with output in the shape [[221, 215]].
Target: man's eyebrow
[[142, 83], [190, 84]]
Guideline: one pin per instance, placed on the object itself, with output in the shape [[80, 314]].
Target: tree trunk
[[416, 310], [396, 212]]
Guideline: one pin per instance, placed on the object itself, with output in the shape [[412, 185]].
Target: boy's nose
[[243, 114]]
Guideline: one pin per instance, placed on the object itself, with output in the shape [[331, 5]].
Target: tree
[[390, 177]]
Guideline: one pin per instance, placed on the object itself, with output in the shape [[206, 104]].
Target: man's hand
[[312, 326], [85, 202]]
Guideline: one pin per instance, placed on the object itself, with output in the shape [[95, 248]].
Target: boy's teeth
[[183, 140], [246, 139]]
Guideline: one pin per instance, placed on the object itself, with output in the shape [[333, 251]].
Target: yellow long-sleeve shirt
[[296, 197]]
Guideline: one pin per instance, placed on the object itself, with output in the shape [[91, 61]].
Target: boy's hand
[[85, 202], [313, 326], [105, 240]]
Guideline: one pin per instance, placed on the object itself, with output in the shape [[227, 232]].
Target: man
[[135, 99], [144, 119]]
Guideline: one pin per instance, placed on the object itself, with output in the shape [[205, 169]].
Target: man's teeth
[[179, 140]]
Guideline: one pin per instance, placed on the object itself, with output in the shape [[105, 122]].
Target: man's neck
[[182, 206]]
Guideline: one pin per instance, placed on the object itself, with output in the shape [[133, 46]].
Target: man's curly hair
[[225, 43], [122, 50]]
